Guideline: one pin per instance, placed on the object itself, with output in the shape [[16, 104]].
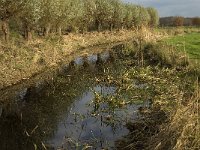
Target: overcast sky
[[187, 8]]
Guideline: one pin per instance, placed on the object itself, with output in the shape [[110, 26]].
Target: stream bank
[[95, 100], [21, 60]]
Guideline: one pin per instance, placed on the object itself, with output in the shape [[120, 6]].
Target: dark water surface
[[68, 112]]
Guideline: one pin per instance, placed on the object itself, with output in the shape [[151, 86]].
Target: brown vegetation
[[21, 60], [196, 21], [178, 21]]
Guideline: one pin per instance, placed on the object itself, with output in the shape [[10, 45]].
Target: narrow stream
[[71, 112], [84, 124]]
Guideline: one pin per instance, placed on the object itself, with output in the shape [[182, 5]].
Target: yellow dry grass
[[21, 60]]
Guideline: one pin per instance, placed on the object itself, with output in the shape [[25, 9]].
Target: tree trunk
[[122, 26], [5, 29], [28, 33], [47, 30], [59, 30], [98, 25], [85, 29], [111, 27]]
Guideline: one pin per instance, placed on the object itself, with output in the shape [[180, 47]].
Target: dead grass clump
[[165, 55], [183, 132], [141, 130]]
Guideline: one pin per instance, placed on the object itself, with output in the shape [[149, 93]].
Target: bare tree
[[178, 21]]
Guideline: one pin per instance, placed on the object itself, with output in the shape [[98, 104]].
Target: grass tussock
[[183, 131], [165, 55]]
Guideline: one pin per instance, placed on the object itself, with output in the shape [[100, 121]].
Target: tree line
[[180, 21], [61, 16]]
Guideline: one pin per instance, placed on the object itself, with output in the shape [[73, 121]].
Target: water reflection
[[86, 125], [92, 58], [71, 111]]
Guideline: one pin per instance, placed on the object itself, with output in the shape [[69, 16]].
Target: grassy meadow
[[188, 42]]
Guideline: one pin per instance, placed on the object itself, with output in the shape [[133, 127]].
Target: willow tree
[[144, 17], [136, 16], [48, 15], [9, 9], [116, 14], [103, 13], [132, 16], [78, 19], [30, 17], [154, 17], [89, 10], [128, 16], [65, 12]]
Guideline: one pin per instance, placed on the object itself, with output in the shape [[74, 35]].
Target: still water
[[72, 111]]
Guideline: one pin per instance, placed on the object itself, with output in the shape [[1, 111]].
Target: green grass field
[[188, 42]]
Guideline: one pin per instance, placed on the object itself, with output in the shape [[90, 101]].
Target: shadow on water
[[72, 111]]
